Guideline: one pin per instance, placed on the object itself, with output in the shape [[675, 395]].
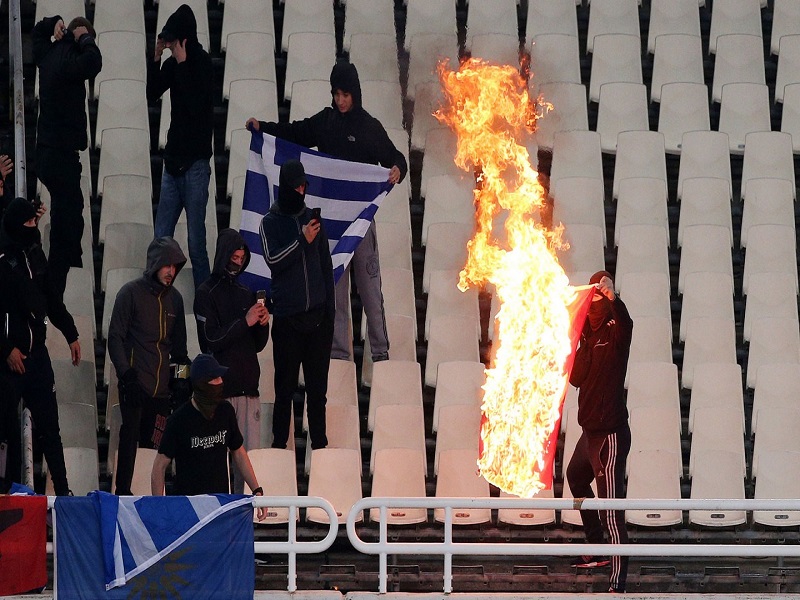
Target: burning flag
[[541, 315]]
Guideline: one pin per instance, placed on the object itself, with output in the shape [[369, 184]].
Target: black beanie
[[598, 276], [344, 76], [17, 213], [293, 175]]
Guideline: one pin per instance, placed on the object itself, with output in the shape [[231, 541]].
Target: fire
[[489, 109]]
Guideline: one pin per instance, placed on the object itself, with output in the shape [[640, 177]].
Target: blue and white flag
[[136, 547], [348, 194]]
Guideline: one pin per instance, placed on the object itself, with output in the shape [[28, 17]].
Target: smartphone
[[261, 297], [315, 213], [37, 204]]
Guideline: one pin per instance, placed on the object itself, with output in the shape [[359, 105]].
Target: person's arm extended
[[388, 154], [246, 469], [87, 63], [214, 335], [159, 77], [158, 474], [623, 332], [305, 132], [41, 34]]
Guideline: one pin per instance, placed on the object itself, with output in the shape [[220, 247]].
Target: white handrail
[[383, 547]]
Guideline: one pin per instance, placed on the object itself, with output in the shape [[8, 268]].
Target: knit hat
[[205, 368], [598, 276], [293, 174]]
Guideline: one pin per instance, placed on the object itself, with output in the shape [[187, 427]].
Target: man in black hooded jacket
[[345, 130], [234, 327], [602, 450], [27, 301], [187, 74], [302, 292], [147, 332], [65, 65]]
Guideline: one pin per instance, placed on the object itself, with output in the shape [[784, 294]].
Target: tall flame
[[489, 108]]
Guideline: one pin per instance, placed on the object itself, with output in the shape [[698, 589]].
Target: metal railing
[[18, 95], [449, 548]]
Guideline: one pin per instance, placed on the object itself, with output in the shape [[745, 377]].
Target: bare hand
[[256, 314], [14, 361], [6, 165], [311, 229], [606, 287], [261, 513], [394, 175], [252, 124], [178, 49], [160, 45], [79, 31], [59, 30], [75, 352]]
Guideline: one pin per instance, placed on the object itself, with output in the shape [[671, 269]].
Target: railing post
[[18, 102]]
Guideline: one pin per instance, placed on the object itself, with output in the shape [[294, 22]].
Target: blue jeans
[[189, 191]]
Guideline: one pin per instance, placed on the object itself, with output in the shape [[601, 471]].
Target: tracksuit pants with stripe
[[602, 458]]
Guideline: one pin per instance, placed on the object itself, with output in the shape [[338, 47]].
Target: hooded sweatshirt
[[27, 299], [148, 326], [220, 306], [64, 67], [190, 85], [355, 135]]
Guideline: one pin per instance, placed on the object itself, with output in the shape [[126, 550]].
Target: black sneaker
[[590, 562]]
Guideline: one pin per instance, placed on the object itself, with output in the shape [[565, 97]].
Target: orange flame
[[489, 109]]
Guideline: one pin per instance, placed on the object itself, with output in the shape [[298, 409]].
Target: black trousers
[[36, 388], [292, 347], [142, 426], [60, 171], [602, 458]]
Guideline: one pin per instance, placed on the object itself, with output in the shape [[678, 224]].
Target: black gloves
[[131, 393]]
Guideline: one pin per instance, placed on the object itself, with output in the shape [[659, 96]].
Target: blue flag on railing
[[139, 547], [348, 194]]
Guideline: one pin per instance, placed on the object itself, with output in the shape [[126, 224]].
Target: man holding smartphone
[[233, 325]]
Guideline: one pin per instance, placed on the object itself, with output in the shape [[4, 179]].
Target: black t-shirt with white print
[[200, 448]]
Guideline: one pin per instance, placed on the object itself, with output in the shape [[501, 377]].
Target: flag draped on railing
[[348, 194], [23, 539]]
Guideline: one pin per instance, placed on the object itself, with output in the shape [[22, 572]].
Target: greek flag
[[348, 194]]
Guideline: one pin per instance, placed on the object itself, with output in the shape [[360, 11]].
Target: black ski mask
[[600, 309], [293, 175], [19, 212], [207, 396]]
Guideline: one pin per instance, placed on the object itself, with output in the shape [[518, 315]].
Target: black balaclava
[[599, 310], [293, 175], [17, 213], [232, 269], [207, 396]]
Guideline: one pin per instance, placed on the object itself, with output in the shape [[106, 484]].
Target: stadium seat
[[653, 384], [428, 97], [546, 17], [527, 517], [239, 153], [126, 246], [82, 471], [585, 252], [367, 17], [641, 201], [125, 151], [683, 107], [705, 249], [640, 154], [706, 201], [429, 16], [375, 56], [496, 17], [788, 65], [612, 17], [642, 248], [394, 382], [78, 424], [706, 294], [241, 62], [444, 298], [716, 428], [708, 340], [123, 56], [622, 107], [744, 109], [128, 199], [109, 15], [772, 340], [647, 295], [651, 341], [732, 17], [397, 286], [307, 94], [496, 48], [668, 17], [384, 101], [774, 432], [303, 16], [402, 334], [576, 154], [678, 57], [785, 22], [657, 428], [440, 149], [449, 199], [399, 426], [579, 201], [336, 476], [122, 104], [770, 249], [459, 428], [768, 154], [458, 479], [615, 58], [717, 386], [79, 294], [778, 477], [718, 474], [740, 59], [399, 473], [771, 295], [704, 154], [568, 112], [451, 338], [652, 474], [555, 58], [458, 383], [276, 471], [426, 51], [768, 201], [446, 249], [251, 98], [246, 15], [342, 429]]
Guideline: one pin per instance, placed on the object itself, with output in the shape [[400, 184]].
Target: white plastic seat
[[109, 15], [614, 17], [706, 294], [79, 294], [301, 16], [142, 470], [126, 151], [497, 48], [394, 382], [246, 15], [399, 473], [336, 476], [444, 298], [307, 94], [732, 17], [429, 16], [451, 338], [718, 474], [75, 384], [402, 332], [744, 109], [249, 97], [704, 154], [788, 64], [616, 57], [367, 17], [429, 96], [459, 428], [440, 150], [126, 198], [78, 424], [770, 249], [122, 103], [576, 154], [579, 200], [772, 340], [768, 201], [684, 107], [716, 428], [426, 50], [395, 207], [375, 56], [705, 249], [123, 56], [771, 295], [678, 57], [717, 386], [708, 340], [446, 249], [458, 383], [778, 477], [641, 201], [68, 9], [551, 17], [82, 471], [651, 342], [276, 471], [790, 115], [651, 474], [778, 387], [498, 16], [740, 59], [126, 246], [657, 428], [250, 55], [585, 252], [555, 58], [399, 426], [640, 154], [397, 286], [311, 56], [775, 433], [569, 112], [458, 478], [383, 100], [527, 517], [239, 153], [647, 295], [653, 384], [785, 22], [622, 107], [342, 428], [449, 199], [642, 248], [706, 201], [768, 154], [670, 17], [394, 241]]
